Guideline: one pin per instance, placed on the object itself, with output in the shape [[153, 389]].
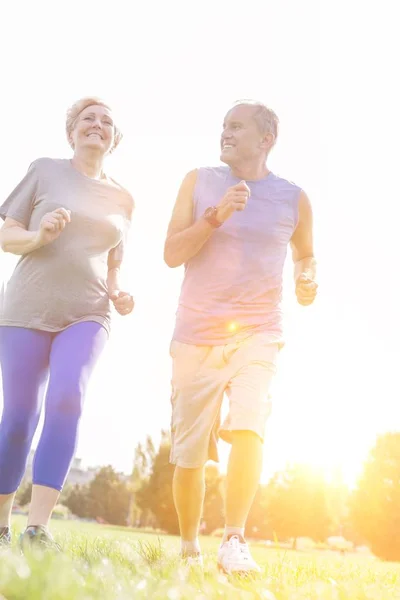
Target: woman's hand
[[51, 226], [123, 302]]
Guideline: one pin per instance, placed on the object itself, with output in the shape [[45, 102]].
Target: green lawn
[[114, 563]]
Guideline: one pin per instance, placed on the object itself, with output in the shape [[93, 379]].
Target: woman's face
[[94, 129]]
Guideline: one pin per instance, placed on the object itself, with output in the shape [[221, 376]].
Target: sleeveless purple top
[[233, 286]]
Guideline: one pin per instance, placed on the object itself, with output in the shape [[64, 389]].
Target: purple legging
[[29, 359]]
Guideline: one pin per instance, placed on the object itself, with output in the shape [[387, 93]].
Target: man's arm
[[303, 253], [185, 238]]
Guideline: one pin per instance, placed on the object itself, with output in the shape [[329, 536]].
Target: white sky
[[171, 70]]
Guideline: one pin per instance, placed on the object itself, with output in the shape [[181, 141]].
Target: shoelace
[[235, 544]]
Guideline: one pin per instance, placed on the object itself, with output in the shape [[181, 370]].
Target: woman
[[67, 220]]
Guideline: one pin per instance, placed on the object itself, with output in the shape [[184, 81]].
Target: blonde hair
[[75, 110]]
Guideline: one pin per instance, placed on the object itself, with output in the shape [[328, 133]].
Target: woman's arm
[[14, 238], [113, 279], [123, 301]]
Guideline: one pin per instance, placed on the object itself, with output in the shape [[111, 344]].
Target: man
[[230, 227]]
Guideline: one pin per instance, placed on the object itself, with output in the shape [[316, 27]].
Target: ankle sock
[[188, 548], [230, 531]]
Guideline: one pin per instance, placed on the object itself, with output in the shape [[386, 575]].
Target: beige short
[[200, 377]]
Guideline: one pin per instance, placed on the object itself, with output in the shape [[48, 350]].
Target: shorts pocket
[[229, 351]]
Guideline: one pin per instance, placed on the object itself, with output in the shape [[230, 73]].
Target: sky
[[171, 71]]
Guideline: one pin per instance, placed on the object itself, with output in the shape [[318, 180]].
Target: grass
[[116, 564]]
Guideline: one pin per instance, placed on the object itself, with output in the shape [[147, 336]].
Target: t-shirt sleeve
[[19, 203], [116, 254]]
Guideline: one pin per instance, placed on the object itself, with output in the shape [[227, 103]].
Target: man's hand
[[306, 289], [123, 302], [235, 198]]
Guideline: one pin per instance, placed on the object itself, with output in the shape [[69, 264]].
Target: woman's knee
[[65, 400], [16, 430]]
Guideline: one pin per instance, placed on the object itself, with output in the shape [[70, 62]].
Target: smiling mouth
[[95, 135], [227, 146]]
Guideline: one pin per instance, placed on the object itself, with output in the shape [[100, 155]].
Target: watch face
[[210, 212]]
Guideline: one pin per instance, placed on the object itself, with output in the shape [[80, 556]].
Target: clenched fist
[[51, 225], [306, 290], [123, 302], [235, 198]]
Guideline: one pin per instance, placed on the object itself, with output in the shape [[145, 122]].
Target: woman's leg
[[73, 356], [24, 360]]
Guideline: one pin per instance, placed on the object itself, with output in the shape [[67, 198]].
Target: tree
[[65, 493], [23, 496], [213, 510], [259, 523], [78, 501], [297, 504], [375, 504], [142, 466], [156, 493], [338, 500], [108, 497]]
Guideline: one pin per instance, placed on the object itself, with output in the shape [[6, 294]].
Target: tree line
[[296, 502]]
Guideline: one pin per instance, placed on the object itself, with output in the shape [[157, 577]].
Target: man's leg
[[197, 390], [254, 364], [244, 471], [188, 489]]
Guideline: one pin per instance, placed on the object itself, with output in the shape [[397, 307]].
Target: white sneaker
[[234, 557]]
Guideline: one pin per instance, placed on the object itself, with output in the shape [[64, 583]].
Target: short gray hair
[[265, 118]]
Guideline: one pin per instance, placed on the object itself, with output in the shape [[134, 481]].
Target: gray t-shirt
[[65, 282]]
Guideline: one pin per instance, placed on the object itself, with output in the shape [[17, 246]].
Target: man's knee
[[245, 435], [188, 474]]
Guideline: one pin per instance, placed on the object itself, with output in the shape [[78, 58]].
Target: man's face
[[241, 139]]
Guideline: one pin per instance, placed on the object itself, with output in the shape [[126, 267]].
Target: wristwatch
[[210, 215]]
